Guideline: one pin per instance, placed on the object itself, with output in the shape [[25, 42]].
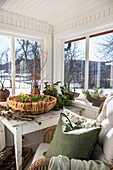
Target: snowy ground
[[23, 86]]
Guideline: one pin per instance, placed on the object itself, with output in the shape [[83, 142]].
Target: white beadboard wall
[[99, 17], [18, 23]]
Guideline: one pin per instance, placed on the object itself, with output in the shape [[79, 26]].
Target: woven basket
[[31, 107]]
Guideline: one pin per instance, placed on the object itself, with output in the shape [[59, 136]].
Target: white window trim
[[86, 63], [13, 63]]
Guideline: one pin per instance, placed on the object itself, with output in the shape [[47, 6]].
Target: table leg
[[2, 136], [18, 147]]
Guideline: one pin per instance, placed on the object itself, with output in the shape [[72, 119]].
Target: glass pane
[[101, 61], [27, 56], [74, 65], [5, 62]]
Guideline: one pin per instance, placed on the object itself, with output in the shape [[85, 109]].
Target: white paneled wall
[[19, 21], [94, 18]]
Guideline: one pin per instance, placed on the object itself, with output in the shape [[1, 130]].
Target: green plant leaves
[[62, 100], [23, 98], [36, 98], [98, 93]]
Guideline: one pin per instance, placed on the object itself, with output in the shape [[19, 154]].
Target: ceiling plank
[[2, 3], [54, 12]]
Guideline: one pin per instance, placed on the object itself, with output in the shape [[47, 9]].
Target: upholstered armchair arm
[[100, 108], [40, 164], [48, 135], [111, 167]]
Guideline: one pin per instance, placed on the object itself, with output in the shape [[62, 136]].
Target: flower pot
[[71, 95], [95, 101], [4, 94]]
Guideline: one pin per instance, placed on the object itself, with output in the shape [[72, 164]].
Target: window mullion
[[86, 63], [13, 64]]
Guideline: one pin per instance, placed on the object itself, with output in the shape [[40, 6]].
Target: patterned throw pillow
[[81, 121]]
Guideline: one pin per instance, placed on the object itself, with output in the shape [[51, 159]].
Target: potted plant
[[66, 91], [62, 100], [38, 68], [96, 97]]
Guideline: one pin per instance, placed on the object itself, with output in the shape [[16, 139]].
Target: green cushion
[[70, 142]]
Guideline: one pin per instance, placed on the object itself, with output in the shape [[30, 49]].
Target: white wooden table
[[19, 128]]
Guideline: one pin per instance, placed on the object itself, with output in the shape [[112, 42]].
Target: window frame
[[87, 37], [13, 37]]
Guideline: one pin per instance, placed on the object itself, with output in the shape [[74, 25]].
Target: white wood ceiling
[[53, 12]]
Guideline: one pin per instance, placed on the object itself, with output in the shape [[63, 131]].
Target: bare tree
[[30, 52], [5, 66], [72, 65], [27, 62], [105, 48], [26, 52]]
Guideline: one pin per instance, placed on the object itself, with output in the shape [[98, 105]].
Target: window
[[74, 64], [27, 63], [5, 62], [101, 61]]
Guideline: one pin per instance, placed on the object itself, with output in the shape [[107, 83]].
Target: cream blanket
[[64, 163]]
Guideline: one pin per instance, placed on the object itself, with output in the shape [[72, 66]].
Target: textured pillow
[[108, 147], [81, 121], [70, 142]]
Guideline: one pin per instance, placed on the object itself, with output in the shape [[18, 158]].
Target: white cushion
[[106, 135], [108, 147], [43, 147], [106, 116], [106, 126]]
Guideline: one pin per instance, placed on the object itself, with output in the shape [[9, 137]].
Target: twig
[[37, 121]]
